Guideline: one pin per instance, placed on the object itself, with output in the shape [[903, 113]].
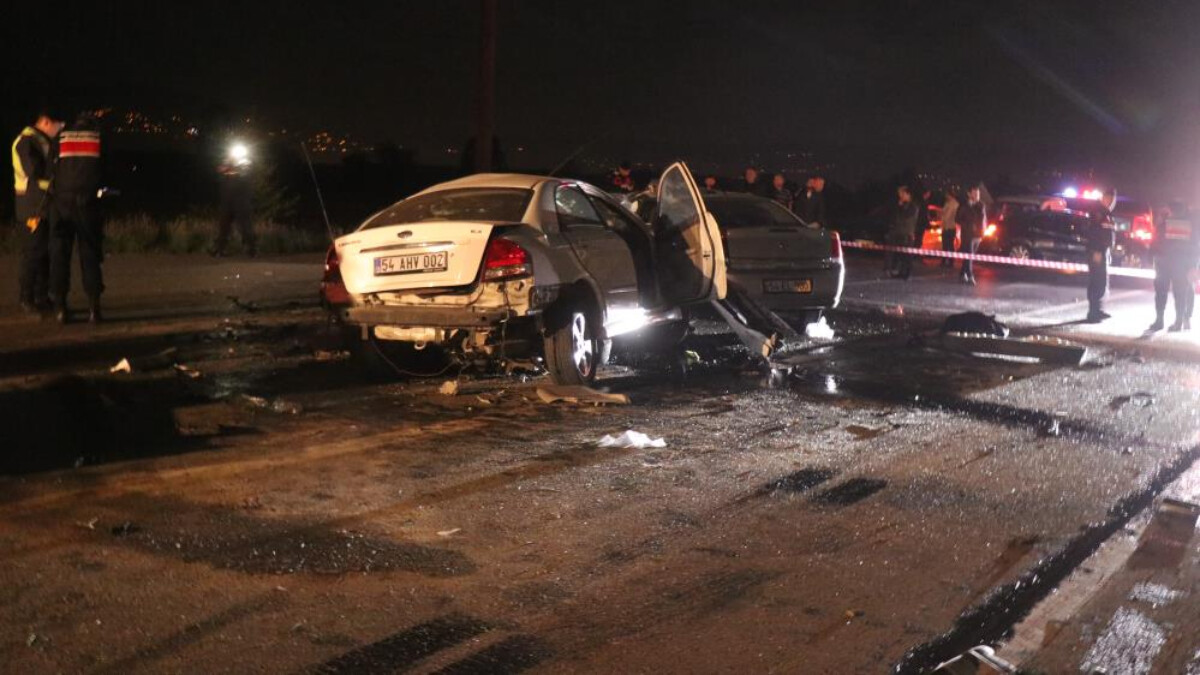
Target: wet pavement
[[877, 505]]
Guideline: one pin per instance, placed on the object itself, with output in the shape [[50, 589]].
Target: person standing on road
[[970, 218], [75, 216], [237, 200], [780, 192], [33, 163], [949, 226], [902, 232], [1176, 249], [621, 179], [1100, 241], [810, 203], [752, 185]]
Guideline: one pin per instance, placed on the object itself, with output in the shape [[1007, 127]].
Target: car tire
[[572, 350], [1020, 250]]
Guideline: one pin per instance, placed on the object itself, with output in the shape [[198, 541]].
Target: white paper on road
[[819, 330], [630, 439]]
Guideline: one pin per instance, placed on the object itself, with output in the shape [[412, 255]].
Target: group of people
[[808, 203], [56, 181], [1176, 248], [909, 220]]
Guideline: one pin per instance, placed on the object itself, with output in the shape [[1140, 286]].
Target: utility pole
[[486, 129]]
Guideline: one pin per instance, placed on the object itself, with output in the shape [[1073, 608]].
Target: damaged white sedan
[[518, 268]]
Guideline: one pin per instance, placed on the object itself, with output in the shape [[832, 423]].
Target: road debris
[[630, 439], [248, 307], [819, 330], [449, 533], [552, 393], [1128, 645], [976, 661], [1039, 347], [187, 371], [89, 525], [163, 359], [286, 407], [975, 323], [124, 529], [449, 388], [1141, 399], [862, 433], [326, 355], [1155, 595]]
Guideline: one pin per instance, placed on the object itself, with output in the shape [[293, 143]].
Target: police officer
[[75, 217], [33, 163], [1100, 241], [1176, 249]]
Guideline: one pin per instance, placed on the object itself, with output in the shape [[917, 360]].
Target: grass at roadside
[[185, 234]]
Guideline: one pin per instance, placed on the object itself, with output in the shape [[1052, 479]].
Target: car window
[[613, 218], [574, 208], [676, 207], [742, 212], [473, 204]]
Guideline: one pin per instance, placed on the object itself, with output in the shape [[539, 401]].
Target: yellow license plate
[[787, 286]]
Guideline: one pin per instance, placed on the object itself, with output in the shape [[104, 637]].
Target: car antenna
[[320, 198], [575, 154]]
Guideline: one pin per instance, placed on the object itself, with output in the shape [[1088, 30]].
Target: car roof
[[491, 180], [721, 194], [1026, 199]]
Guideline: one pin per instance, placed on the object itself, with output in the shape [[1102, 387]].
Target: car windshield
[[472, 204], [741, 212]]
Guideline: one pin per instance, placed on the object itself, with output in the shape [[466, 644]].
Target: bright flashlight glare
[[1070, 193], [989, 231], [239, 153]]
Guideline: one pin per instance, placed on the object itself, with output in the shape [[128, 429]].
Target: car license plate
[[787, 285], [411, 264]]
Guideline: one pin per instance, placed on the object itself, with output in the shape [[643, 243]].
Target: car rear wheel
[[1020, 250], [572, 350]]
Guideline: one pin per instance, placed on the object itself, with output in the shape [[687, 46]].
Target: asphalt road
[[877, 504]]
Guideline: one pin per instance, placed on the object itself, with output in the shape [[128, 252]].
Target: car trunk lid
[[785, 246], [414, 256]]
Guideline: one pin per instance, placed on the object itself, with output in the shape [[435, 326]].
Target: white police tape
[[1132, 272]]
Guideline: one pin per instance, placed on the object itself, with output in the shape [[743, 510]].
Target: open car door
[[690, 257]]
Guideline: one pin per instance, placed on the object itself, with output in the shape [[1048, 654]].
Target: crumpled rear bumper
[[439, 317]]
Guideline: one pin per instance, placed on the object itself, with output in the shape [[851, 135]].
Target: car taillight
[[989, 231], [333, 266], [1142, 229], [835, 246], [505, 260]]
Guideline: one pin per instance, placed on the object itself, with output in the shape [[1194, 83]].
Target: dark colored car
[[1134, 225], [1045, 235]]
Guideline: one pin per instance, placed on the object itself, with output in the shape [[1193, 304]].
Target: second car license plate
[[411, 264], [787, 285]]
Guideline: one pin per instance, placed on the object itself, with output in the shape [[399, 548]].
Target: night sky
[[963, 87]]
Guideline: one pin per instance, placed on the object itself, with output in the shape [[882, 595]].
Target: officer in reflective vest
[[1100, 241], [75, 217], [33, 164], [1176, 248]]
